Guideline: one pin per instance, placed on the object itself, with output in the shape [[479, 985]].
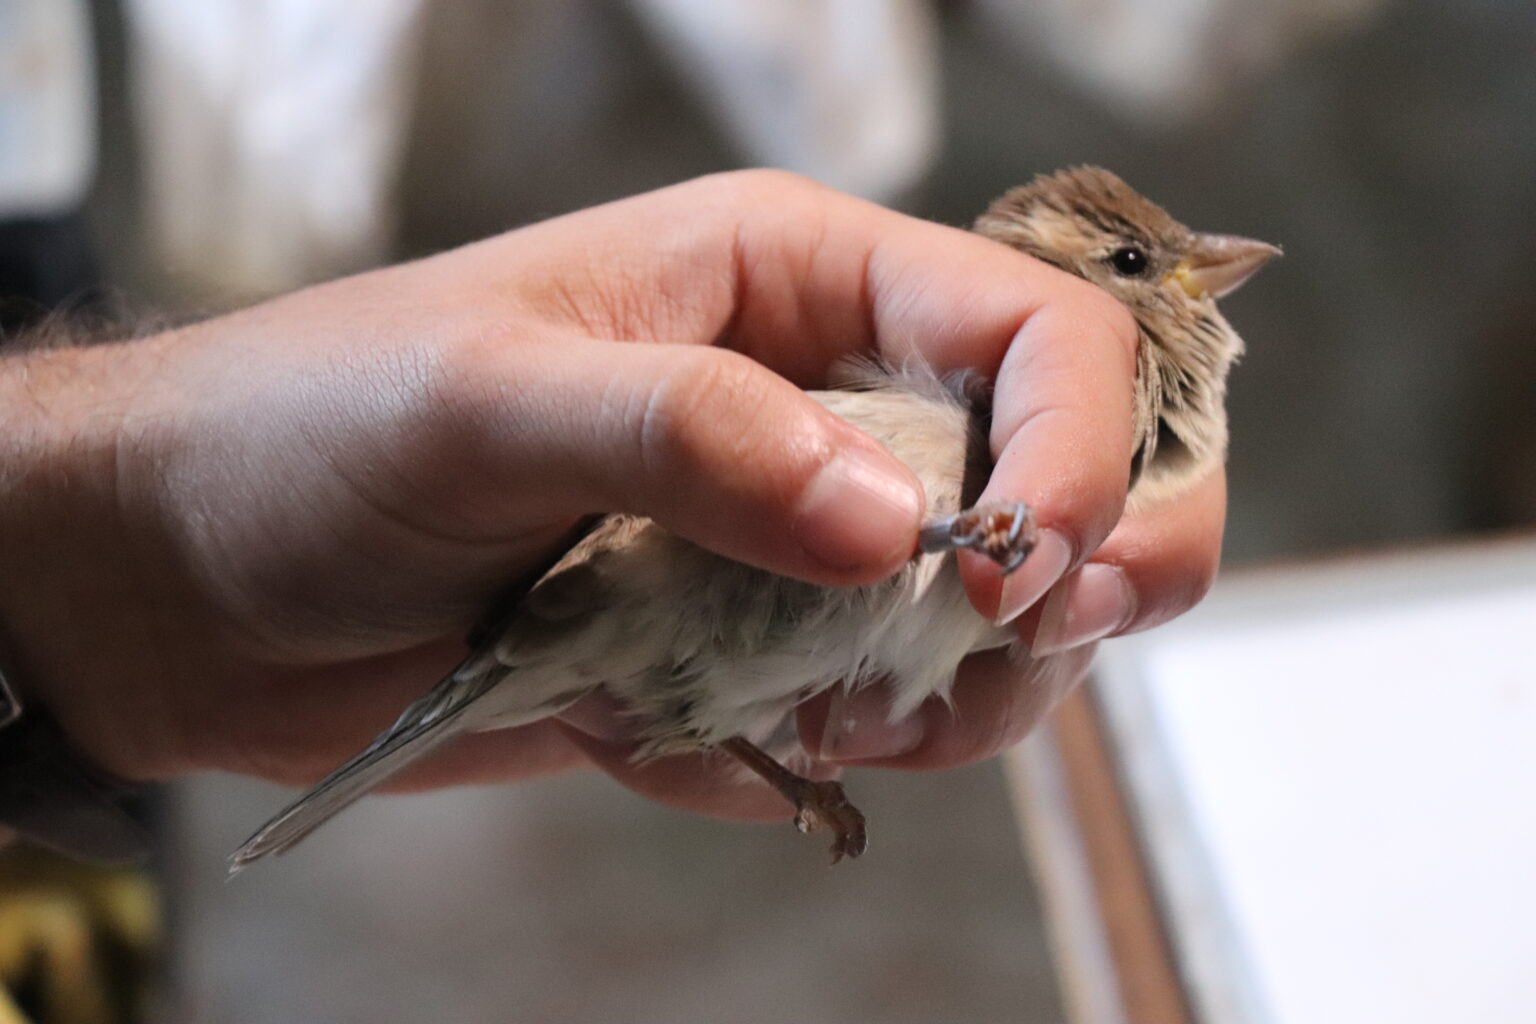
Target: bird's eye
[[1129, 261]]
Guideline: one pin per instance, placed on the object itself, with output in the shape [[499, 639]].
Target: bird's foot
[[1004, 531], [825, 805], [817, 805]]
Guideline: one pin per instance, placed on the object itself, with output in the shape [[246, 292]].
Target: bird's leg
[[1004, 531], [816, 804]]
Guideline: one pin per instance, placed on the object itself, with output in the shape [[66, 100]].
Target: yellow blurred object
[[78, 944]]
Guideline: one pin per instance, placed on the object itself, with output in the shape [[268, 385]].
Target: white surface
[[846, 93], [270, 134], [1337, 775]]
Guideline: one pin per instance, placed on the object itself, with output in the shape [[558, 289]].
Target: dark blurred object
[[523, 112], [55, 798], [78, 944], [1501, 481], [45, 264]]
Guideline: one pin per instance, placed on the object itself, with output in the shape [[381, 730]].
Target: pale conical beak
[[1218, 264]]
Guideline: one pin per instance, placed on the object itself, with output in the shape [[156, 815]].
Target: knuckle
[[435, 426], [679, 434], [449, 403], [435, 383]]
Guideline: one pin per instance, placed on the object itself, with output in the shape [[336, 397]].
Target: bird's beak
[[1218, 264]]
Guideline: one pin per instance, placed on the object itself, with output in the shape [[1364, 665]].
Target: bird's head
[[1088, 222]]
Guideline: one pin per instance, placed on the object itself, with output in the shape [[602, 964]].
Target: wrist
[[70, 601], [56, 473]]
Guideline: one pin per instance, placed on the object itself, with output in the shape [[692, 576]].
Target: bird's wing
[[527, 632], [422, 728]]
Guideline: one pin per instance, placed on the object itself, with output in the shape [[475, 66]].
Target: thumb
[[716, 448]]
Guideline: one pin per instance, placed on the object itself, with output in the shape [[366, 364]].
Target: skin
[[246, 544]]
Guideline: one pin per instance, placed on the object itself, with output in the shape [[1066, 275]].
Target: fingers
[[715, 447], [996, 700], [796, 276], [1157, 564], [1062, 352], [1061, 437]]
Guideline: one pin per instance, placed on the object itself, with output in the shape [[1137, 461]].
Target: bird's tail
[[422, 728]]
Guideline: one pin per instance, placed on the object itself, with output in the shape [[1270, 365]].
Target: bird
[[703, 653]]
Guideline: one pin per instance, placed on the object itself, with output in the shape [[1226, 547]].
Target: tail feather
[[422, 728], [528, 619]]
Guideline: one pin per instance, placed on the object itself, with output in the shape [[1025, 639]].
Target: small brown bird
[[708, 654]]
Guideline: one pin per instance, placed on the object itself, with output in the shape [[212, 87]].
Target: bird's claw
[[1004, 531], [817, 804], [824, 804]]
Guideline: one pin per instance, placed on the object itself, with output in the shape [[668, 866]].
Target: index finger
[[1062, 439], [1063, 356]]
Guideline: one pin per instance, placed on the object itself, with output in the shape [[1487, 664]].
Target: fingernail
[[1092, 603], [859, 510], [1044, 566], [859, 728]]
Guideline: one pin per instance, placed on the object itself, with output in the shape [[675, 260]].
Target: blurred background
[[182, 157]]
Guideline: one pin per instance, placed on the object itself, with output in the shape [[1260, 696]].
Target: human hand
[[248, 543]]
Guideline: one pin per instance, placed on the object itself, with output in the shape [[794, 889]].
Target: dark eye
[[1129, 262]]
